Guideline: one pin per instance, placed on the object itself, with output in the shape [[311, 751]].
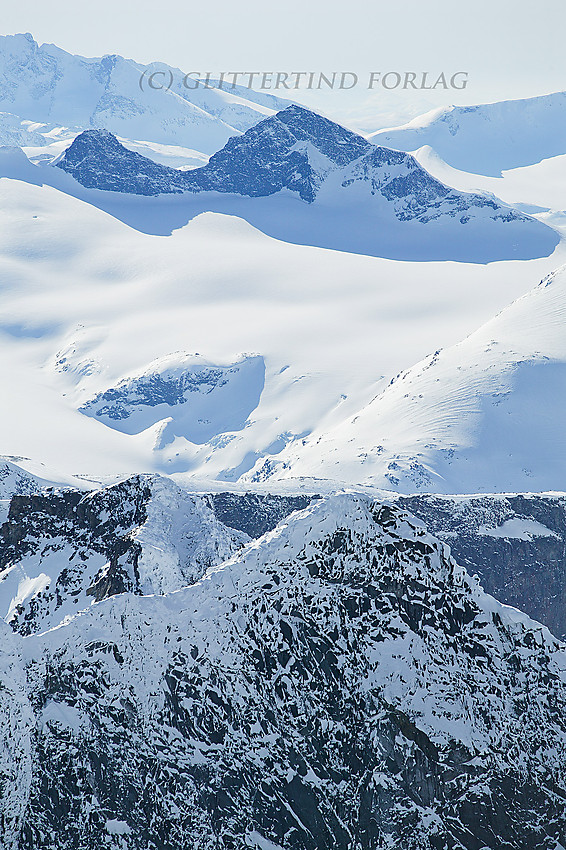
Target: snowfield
[[87, 301], [484, 415]]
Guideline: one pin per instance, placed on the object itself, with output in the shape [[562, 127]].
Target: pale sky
[[510, 48]]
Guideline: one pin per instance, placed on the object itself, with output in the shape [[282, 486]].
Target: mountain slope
[[88, 303], [46, 84], [339, 683], [486, 415], [488, 138], [364, 198]]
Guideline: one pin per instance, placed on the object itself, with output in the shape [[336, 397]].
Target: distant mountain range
[[44, 84], [488, 138]]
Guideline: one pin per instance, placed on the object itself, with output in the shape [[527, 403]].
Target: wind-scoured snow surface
[[488, 138], [485, 415], [338, 682], [46, 93]]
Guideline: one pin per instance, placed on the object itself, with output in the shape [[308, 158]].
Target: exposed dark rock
[[340, 684]]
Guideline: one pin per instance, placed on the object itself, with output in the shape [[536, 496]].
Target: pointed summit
[[292, 149], [97, 160]]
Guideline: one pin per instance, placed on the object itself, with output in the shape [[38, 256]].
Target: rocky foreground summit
[[338, 682]]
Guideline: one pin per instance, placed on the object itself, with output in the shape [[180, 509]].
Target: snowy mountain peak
[[44, 83], [339, 682]]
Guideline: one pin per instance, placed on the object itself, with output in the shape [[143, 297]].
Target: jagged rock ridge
[[144, 535], [338, 683]]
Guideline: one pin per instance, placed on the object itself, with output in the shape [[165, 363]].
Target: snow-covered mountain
[[64, 550], [90, 305], [44, 84], [484, 415], [488, 138], [339, 682], [207, 642], [364, 198]]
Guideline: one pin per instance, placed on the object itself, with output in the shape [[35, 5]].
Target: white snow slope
[[87, 302], [487, 138], [205, 349], [487, 414]]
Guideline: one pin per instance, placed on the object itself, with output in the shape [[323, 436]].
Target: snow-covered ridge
[[63, 550], [43, 83], [487, 138], [485, 415]]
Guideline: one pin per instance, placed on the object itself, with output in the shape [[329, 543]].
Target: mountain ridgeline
[[294, 149], [337, 683], [357, 197]]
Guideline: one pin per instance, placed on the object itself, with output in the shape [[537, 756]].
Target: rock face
[[292, 150], [338, 683], [97, 160], [516, 545], [60, 551], [270, 156]]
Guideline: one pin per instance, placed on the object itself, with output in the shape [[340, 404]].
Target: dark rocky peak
[[97, 160], [290, 150], [76, 547], [334, 141]]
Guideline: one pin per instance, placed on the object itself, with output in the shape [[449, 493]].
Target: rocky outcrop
[[516, 544], [62, 550]]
